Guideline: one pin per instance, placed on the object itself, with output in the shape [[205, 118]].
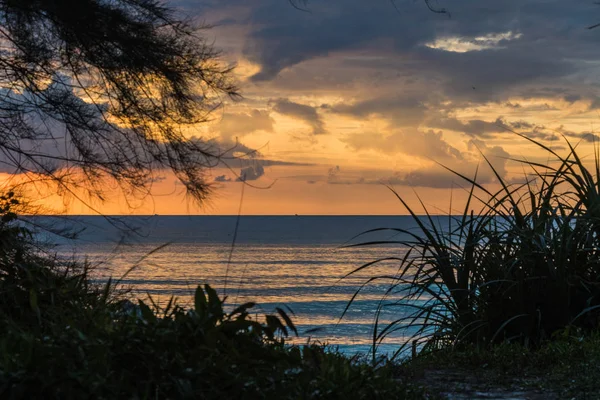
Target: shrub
[[66, 338]]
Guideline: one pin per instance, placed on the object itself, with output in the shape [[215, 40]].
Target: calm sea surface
[[298, 261]]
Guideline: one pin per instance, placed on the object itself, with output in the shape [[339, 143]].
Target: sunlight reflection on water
[[307, 277]]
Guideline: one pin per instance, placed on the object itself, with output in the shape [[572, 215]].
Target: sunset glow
[[351, 97]]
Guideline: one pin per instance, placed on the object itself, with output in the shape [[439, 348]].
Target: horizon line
[[234, 215]]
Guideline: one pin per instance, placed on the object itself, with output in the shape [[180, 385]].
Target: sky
[[349, 98]]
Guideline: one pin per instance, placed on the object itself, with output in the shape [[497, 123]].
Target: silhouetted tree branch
[[97, 89]]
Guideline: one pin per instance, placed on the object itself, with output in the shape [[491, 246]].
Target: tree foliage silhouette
[[92, 90]]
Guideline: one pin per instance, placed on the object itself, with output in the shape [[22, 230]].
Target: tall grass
[[518, 265]]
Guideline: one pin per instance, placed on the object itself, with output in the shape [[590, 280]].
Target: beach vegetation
[[517, 265], [67, 336]]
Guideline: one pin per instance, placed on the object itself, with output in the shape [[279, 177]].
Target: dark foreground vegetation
[[63, 337], [509, 292], [507, 297], [520, 270]]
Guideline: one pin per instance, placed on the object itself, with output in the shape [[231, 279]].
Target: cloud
[[222, 178], [156, 179], [585, 136], [302, 112], [36, 138], [356, 46], [542, 132], [485, 129], [436, 176], [495, 155], [512, 105], [537, 39], [409, 63], [52, 147], [333, 174], [403, 111], [251, 173], [531, 130], [420, 72], [460, 44], [473, 127], [238, 155], [571, 98], [437, 179], [243, 123], [284, 37], [334, 177], [485, 76], [429, 144]]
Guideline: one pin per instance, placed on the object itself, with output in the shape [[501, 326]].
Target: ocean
[[296, 261]]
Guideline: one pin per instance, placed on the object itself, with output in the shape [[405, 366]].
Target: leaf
[[508, 321], [242, 309], [215, 305], [287, 320], [147, 313], [275, 324], [200, 303], [585, 311]]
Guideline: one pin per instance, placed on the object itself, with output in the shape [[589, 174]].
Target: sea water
[[300, 262]]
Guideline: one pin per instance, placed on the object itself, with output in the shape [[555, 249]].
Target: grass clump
[[63, 337], [523, 267], [564, 367]]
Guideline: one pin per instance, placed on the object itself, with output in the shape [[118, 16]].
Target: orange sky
[[336, 118]]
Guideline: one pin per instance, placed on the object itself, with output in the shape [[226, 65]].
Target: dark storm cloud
[[485, 129], [585, 136], [595, 103], [542, 132], [572, 98], [512, 105], [548, 36], [302, 112], [531, 130], [474, 127], [45, 144], [489, 75], [285, 37]]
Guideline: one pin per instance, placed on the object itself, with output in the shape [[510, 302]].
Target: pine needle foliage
[[97, 90]]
